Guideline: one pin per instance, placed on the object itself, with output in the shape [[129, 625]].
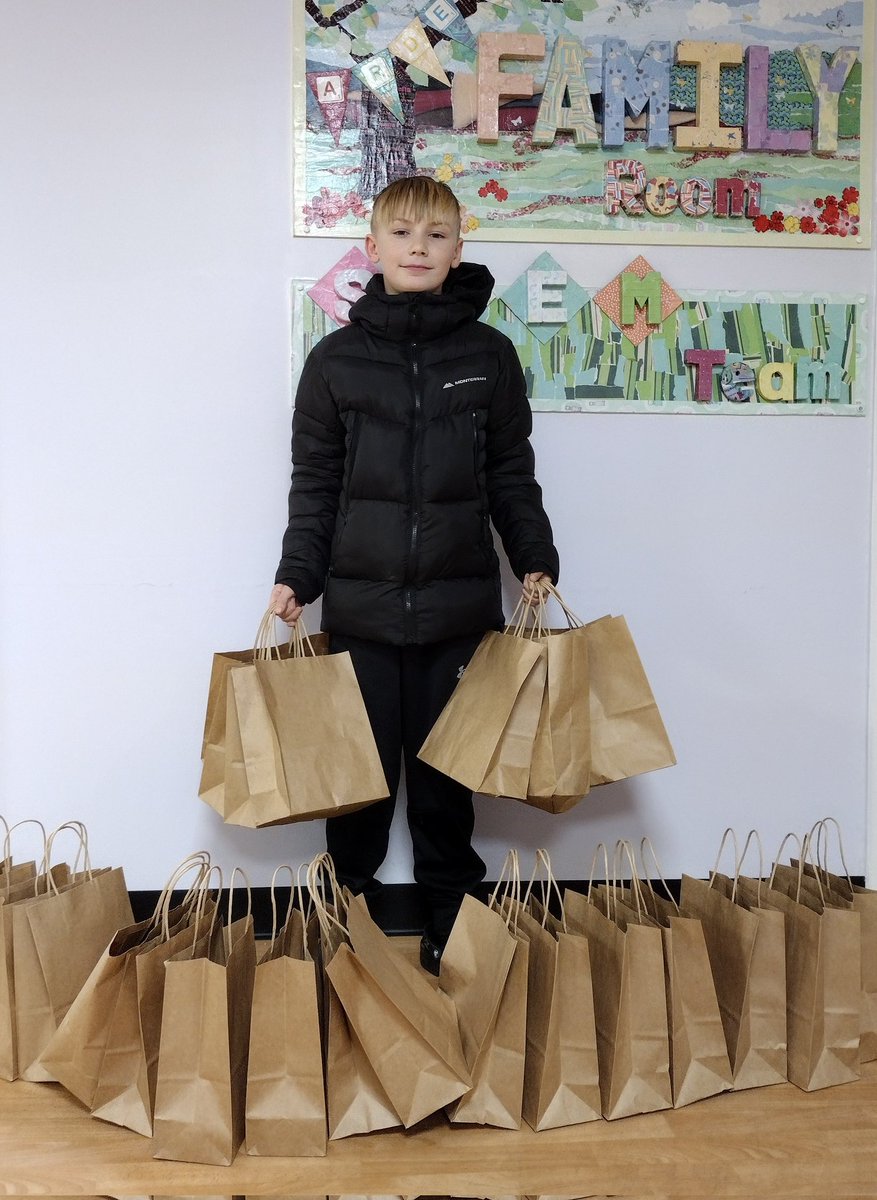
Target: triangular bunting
[[377, 74], [330, 89], [444, 16], [414, 47]]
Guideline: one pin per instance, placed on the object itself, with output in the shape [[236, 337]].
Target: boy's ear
[[371, 249], [458, 254]]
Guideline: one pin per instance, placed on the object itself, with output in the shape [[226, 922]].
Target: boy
[[410, 433]]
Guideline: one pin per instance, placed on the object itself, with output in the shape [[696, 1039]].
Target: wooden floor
[[775, 1142]]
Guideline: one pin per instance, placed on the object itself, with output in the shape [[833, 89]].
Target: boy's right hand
[[284, 603]]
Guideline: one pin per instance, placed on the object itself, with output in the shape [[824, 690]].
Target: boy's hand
[[284, 603], [534, 589]]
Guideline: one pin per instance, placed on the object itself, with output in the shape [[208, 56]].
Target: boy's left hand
[[534, 586]]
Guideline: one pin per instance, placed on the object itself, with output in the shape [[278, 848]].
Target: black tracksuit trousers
[[404, 689]]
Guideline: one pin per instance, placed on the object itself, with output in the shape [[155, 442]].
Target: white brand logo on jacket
[[469, 379]]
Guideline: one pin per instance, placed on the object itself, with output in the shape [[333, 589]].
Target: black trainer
[[430, 956]]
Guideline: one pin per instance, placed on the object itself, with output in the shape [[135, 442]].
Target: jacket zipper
[[485, 514], [415, 506]]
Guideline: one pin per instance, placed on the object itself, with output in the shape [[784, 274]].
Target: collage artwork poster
[[647, 122], [739, 122]]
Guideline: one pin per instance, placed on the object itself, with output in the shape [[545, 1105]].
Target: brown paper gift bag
[[747, 953], [254, 787], [407, 1029], [98, 1051], [484, 973], [464, 739], [15, 888], [508, 772], [12, 894], [57, 939], [841, 891], [627, 732], [202, 1062], [561, 1080], [824, 984], [307, 747], [699, 1062], [355, 1100], [214, 748], [630, 1008], [211, 787], [286, 1101], [560, 765], [497, 1095]]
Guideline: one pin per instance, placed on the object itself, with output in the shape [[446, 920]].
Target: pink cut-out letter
[[704, 361]]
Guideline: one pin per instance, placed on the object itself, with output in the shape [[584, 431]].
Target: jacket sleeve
[[514, 496], [318, 450]]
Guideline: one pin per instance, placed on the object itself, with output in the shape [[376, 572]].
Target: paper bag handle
[[572, 620], [319, 870], [82, 855], [201, 904], [228, 915], [600, 846], [820, 829], [510, 882], [752, 835], [804, 854], [722, 844], [624, 849], [275, 929], [549, 884], [646, 842], [199, 862], [7, 847]]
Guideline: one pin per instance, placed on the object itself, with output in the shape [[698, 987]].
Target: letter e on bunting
[[444, 16], [414, 47]]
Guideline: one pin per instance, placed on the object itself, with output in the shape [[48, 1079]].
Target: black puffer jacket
[[410, 433]]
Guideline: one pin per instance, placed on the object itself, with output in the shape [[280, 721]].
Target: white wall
[[144, 374]]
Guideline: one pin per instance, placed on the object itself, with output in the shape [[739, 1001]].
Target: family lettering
[[641, 85]]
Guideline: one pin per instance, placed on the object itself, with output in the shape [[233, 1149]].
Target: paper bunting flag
[[342, 285], [377, 74], [444, 16], [330, 89], [414, 47]]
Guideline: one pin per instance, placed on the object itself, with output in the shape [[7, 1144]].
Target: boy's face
[[414, 255]]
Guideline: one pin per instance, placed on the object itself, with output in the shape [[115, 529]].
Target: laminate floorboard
[[775, 1142]]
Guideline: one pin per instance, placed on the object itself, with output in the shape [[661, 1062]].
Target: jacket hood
[[464, 297]]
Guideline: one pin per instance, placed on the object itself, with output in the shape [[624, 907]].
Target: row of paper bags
[[540, 715], [622, 1004], [56, 919]]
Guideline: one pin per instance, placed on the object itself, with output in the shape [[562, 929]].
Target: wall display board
[[726, 121], [637, 345]]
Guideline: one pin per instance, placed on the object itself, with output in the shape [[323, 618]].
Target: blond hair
[[417, 197]]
